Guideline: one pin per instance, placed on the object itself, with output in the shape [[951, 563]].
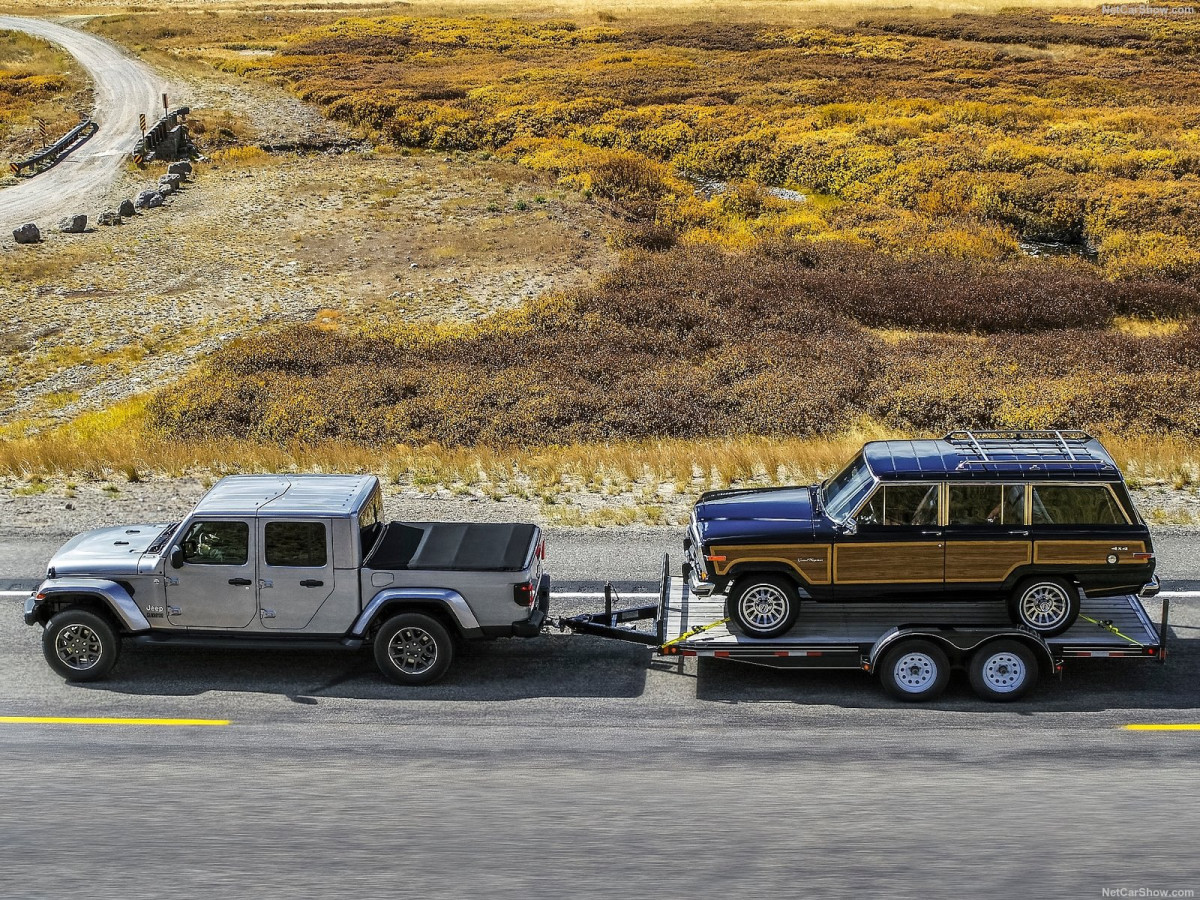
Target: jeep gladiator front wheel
[[413, 648], [80, 645], [764, 606]]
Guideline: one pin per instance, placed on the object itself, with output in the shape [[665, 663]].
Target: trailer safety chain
[[692, 632], [1109, 626]]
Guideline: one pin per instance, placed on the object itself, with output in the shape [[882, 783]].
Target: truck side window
[[901, 504], [987, 504], [1075, 505], [217, 544], [296, 544]]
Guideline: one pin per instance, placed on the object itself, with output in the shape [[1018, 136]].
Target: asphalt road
[[124, 87], [570, 766]]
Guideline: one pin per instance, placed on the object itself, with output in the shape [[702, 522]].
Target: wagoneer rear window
[[1075, 505]]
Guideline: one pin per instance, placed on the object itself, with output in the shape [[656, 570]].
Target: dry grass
[[37, 81]]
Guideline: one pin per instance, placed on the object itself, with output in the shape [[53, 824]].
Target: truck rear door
[[295, 574]]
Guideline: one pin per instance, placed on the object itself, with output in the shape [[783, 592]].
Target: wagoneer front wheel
[[1048, 606], [764, 606]]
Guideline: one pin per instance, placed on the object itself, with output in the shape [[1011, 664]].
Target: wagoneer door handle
[[310, 582], [931, 533], [246, 582]]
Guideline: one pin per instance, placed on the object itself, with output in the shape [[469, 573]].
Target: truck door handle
[[245, 582], [311, 582]]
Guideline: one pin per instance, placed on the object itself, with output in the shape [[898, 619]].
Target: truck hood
[[106, 551], [755, 514]]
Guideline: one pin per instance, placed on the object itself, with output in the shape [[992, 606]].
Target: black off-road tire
[[1045, 604], [764, 606], [80, 645], [413, 648], [914, 671], [1003, 671]]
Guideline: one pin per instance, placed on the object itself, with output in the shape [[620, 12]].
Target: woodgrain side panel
[[894, 562], [811, 561], [985, 561], [1087, 553]]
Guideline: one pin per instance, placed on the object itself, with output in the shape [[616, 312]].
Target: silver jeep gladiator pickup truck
[[292, 561]]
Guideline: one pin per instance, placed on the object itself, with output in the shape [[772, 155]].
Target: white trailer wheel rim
[[915, 672], [1044, 605], [1004, 672], [763, 606]]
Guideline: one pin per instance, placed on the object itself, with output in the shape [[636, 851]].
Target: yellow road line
[[90, 720], [1185, 726]]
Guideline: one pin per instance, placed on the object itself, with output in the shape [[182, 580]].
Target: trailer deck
[[856, 635]]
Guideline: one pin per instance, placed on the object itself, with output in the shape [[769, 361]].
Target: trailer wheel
[[914, 671], [764, 606], [1003, 670], [413, 648], [80, 645], [1046, 605]]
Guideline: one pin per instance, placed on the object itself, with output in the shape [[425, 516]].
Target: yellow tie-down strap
[[692, 632], [1109, 626]]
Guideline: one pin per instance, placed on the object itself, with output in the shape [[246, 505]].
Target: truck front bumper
[[32, 616], [532, 626]]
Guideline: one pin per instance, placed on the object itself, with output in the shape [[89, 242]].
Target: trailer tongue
[[911, 646]]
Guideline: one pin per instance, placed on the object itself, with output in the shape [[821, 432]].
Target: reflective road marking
[[1186, 726], [86, 720]]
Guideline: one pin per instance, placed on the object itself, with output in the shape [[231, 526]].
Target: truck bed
[[452, 546]]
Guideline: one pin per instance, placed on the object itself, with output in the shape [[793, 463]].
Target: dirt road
[[123, 87]]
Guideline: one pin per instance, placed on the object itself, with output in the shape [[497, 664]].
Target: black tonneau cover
[[452, 546]]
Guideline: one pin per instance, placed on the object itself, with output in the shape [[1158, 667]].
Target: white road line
[[15, 593], [583, 595], [1178, 595]]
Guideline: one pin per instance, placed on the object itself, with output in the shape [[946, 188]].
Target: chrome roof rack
[[1061, 450]]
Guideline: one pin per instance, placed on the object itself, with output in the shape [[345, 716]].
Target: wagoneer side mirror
[[850, 526], [176, 557]]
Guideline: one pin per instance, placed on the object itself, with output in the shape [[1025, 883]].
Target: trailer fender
[[112, 595], [960, 643], [451, 602]]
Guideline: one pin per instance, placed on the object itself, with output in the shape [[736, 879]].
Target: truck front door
[[214, 586], [296, 571]]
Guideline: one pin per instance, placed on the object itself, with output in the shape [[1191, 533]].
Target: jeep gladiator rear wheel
[[80, 645], [764, 606], [413, 648], [1046, 605]]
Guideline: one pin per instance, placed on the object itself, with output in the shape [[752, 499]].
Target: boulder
[[173, 180], [27, 234], [183, 169], [111, 218], [148, 199], [125, 210], [73, 225], [165, 190]]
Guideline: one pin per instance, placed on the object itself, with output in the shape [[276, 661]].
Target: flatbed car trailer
[[911, 646]]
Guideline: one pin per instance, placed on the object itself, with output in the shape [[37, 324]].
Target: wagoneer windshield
[[844, 491]]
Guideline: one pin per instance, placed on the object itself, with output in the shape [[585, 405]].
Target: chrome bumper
[[1150, 588], [698, 587]]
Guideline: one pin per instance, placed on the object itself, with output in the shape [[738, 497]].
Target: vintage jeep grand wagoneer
[[1028, 517]]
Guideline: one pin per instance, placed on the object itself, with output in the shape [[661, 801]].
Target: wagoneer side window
[[901, 504], [1055, 504], [987, 504]]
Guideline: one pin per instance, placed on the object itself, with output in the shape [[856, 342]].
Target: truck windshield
[[847, 488]]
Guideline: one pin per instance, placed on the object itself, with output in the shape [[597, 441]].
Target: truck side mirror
[[176, 557]]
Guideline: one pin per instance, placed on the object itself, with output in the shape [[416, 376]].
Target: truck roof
[[288, 495], [982, 454]]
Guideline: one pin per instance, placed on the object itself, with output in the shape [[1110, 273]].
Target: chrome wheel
[[413, 650], [78, 647], [763, 607], [915, 672], [1003, 672], [1044, 605]]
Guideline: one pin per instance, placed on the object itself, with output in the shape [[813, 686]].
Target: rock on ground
[[27, 234], [148, 199], [125, 210], [182, 169], [172, 180], [110, 218], [73, 224]]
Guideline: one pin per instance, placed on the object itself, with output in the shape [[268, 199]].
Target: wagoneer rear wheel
[[764, 606], [1048, 606]]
